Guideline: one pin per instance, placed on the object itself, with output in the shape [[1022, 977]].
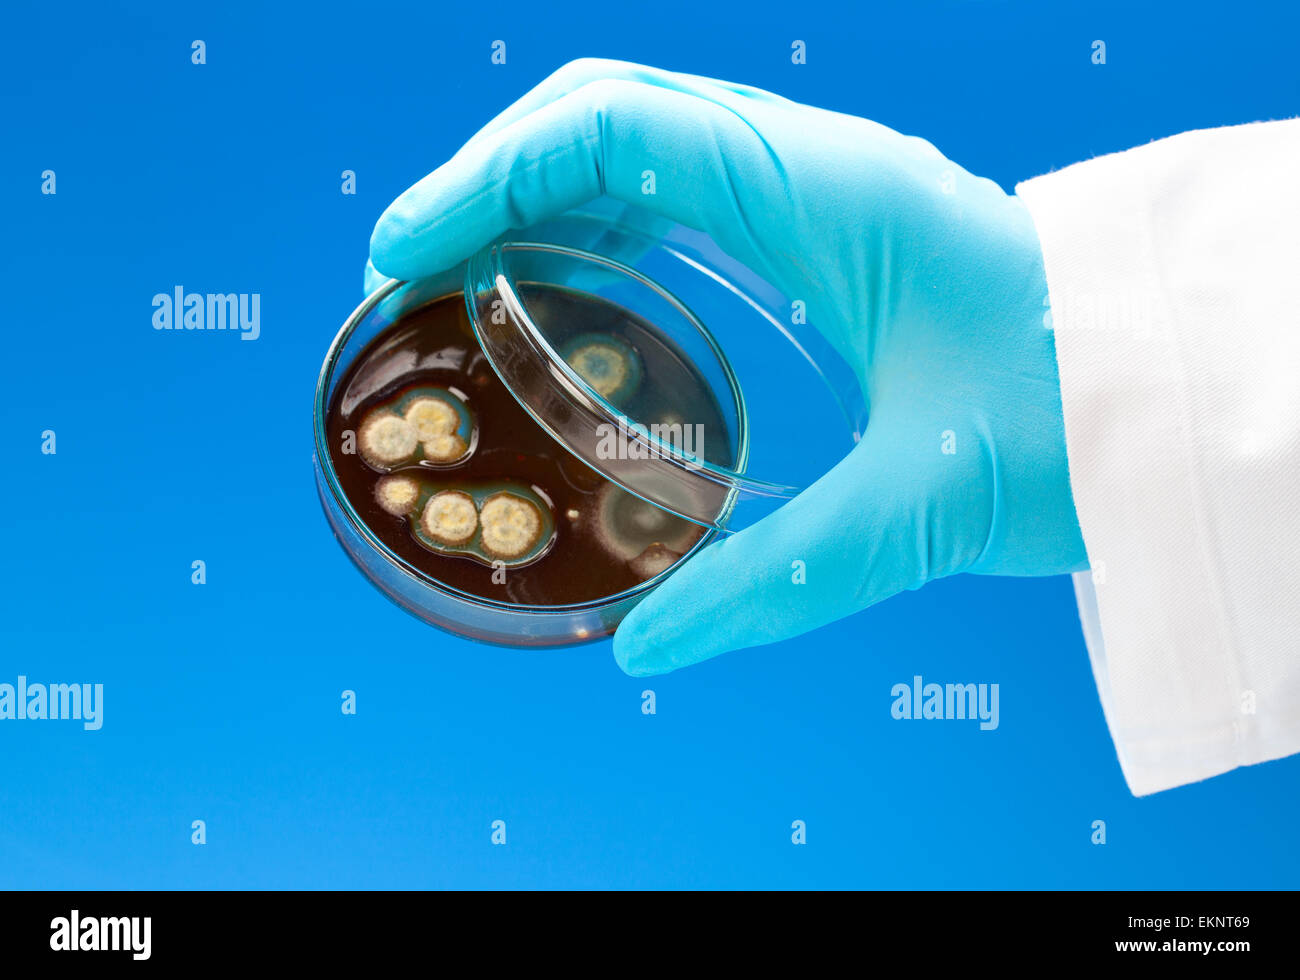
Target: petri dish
[[782, 406]]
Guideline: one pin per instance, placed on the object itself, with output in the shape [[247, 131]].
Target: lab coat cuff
[[1170, 685]]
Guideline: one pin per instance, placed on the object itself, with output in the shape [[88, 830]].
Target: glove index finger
[[537, 167], [582, 71], [669, 151]]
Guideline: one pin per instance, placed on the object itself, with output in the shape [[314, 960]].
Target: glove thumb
[[892, 515]]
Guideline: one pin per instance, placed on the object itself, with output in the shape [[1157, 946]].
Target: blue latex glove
[[928, 280]]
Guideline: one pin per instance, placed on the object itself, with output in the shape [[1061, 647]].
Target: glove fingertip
[[390, 244], [373, 278], [636, 647]]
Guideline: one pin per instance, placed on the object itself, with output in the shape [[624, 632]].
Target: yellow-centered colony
[[450, 517], [386, 439], [397, 494], [511, 525]]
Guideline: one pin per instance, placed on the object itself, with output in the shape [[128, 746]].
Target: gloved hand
[[928, 280]]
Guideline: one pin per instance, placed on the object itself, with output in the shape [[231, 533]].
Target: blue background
[[223, 701]]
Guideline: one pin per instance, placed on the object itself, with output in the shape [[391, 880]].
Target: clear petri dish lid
[[662, 364]]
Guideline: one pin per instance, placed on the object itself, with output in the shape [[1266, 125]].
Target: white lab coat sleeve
[[1173, 275]]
